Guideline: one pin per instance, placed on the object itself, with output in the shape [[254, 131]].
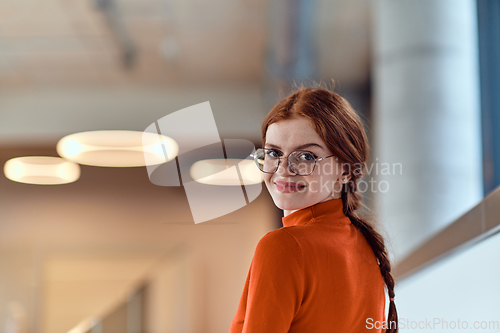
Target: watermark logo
[[225, 162], [433, 324], [366, 177]]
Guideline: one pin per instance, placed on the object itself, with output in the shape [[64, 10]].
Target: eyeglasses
[[300, 162]]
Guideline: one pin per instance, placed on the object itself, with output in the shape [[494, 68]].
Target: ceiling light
[[43, 170], [225, 172], [117, 148]]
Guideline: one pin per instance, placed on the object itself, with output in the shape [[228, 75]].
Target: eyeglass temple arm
[[322, 158]]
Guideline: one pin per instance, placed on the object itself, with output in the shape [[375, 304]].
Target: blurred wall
[[75, 251]]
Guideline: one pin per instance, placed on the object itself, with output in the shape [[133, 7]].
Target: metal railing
[[477, 224]]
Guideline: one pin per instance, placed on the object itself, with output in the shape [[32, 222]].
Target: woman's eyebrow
[[296, 148]]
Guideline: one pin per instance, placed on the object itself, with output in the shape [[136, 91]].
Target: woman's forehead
[[292, 133]]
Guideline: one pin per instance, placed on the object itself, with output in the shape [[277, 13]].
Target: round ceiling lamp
[[223, 172], [116, 148], [41, 170]]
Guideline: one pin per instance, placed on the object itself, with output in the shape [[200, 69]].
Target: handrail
[[477, 224]]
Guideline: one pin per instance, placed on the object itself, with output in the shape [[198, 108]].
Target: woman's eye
[[307, 157], [272, 153]]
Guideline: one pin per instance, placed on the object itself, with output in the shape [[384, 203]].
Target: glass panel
[[460, 292]]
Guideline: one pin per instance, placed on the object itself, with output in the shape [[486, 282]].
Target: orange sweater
[[316, 274]]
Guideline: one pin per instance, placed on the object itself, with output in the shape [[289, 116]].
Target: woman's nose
[[284, 168]]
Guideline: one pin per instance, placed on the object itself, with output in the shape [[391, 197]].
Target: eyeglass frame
[[316, 160]]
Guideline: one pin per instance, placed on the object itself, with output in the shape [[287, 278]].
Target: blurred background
[[113, 252]]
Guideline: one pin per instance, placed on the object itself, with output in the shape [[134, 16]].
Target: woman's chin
[[286, 203]]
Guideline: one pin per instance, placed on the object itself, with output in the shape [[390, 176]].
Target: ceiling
[[62, 67], [62, 71], [178, 42]]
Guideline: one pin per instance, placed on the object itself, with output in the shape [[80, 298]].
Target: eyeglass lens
[[300, 162]]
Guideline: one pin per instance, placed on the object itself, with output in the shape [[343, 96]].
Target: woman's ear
[[346, 175], [345, 178]]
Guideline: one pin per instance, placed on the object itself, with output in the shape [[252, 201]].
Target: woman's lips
[[288, 187]]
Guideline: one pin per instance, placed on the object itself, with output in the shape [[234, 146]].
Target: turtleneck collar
[[331, 210]]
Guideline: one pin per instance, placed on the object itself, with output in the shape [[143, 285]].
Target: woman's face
[[291, 192]]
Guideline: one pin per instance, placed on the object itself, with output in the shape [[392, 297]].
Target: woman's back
[[316, 274]]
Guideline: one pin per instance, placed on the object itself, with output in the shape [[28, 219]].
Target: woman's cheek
[[321, 184], [267, 180]]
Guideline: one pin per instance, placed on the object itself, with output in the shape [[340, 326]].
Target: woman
[[325, 269]]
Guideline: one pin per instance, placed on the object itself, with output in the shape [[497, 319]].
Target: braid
[[351, 200]]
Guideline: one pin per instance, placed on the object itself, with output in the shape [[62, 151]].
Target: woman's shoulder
[[279, 237], [337, 239], [291, 236], [279, 242]]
